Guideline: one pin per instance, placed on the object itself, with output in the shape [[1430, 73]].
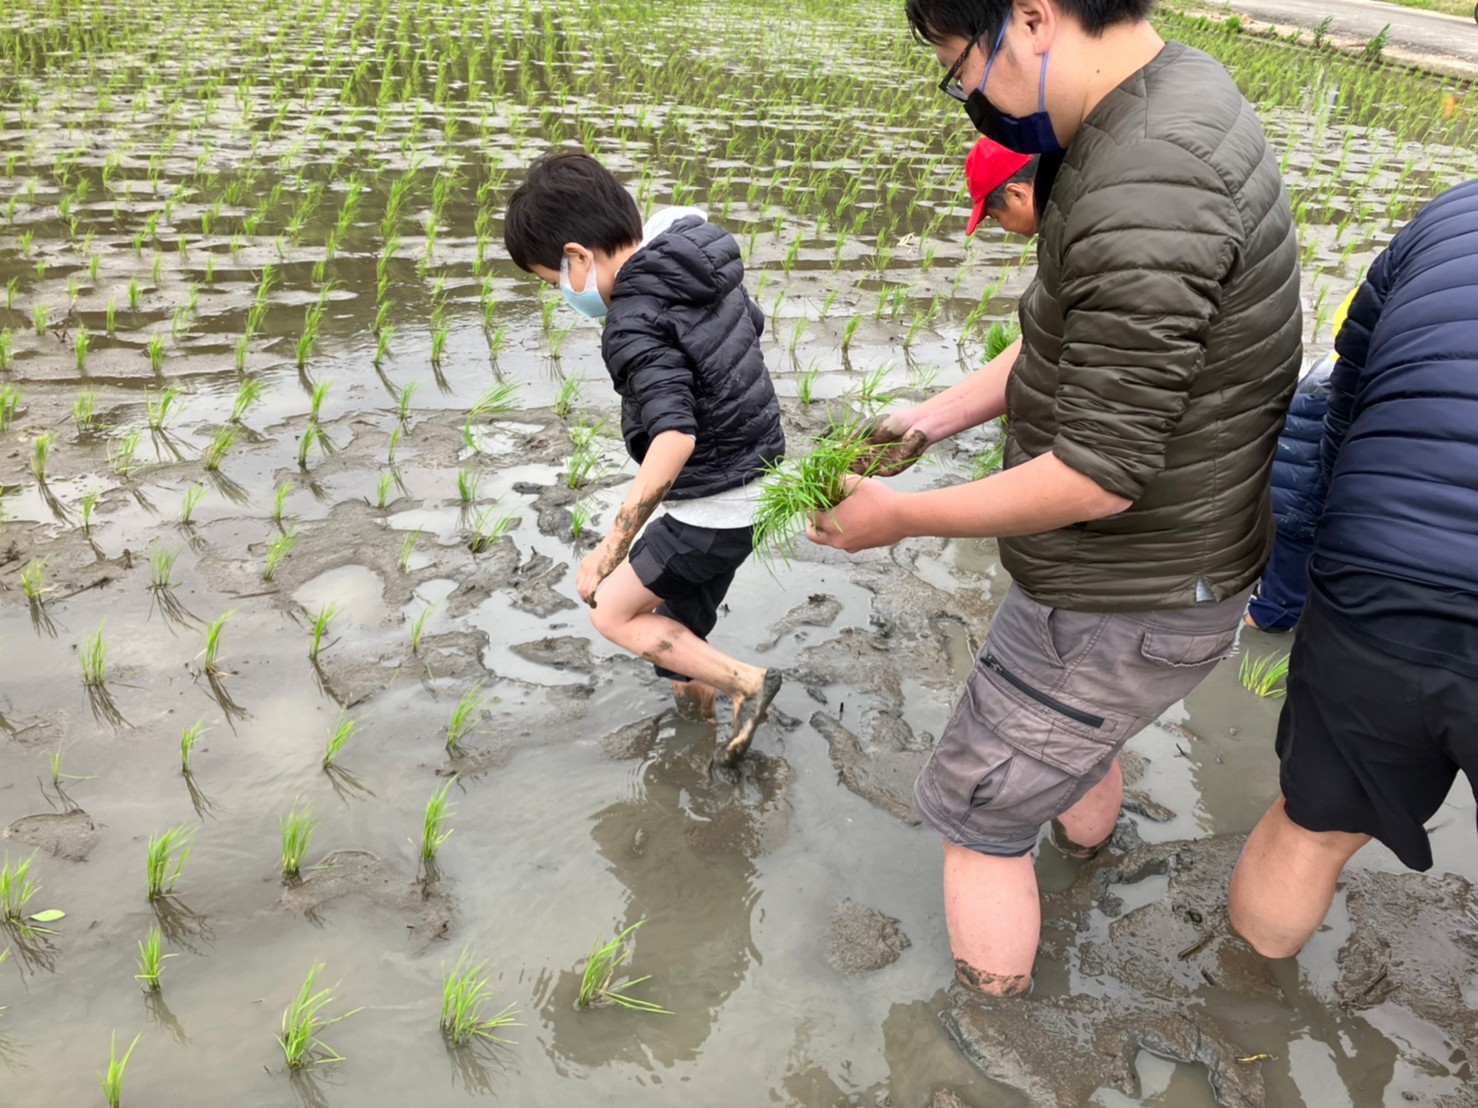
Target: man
[[1000, 183], [1160, 346], [1383, 683]]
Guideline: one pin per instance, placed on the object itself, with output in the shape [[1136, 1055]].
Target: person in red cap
[[1000, 183]]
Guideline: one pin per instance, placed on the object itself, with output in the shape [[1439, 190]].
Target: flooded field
[[290, 450]]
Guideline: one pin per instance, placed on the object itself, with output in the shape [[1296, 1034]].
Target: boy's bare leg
[[1085, 828], [625, 614], [695, 700]]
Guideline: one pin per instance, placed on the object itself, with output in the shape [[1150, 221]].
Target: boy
[[698, 413]]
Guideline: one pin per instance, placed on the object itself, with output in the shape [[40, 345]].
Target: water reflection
[[684, 844]]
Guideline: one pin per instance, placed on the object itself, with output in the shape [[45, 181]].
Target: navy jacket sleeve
[[1353, 347], [648, 366]]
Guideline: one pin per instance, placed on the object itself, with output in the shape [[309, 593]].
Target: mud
[[1414, 944], [70, 835], [862, 940], [420, 901], [881, 774]]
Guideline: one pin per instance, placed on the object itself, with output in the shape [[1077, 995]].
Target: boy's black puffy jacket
[[682, 344]]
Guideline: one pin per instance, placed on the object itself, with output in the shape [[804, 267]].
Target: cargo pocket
[[1065, 736], [970, 765], [1183, 649]]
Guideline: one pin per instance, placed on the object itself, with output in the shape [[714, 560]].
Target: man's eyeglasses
[[951, 86]]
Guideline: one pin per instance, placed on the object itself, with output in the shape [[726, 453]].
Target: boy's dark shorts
[[1053, 696], [1371, 743], [691, 569]]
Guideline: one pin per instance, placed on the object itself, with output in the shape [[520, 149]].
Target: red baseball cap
[[986, 167]]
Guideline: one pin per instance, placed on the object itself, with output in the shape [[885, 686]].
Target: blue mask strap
[[990, 61], [1042, 84]]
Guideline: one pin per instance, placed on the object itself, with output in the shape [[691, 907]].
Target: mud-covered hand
[[899, 444], [596, 566], [868, 517]]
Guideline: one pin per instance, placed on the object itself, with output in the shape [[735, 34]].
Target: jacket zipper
[[1085, 718]]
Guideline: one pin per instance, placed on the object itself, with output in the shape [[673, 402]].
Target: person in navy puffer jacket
[[1298, 501], [1383, 679], [698, 412]]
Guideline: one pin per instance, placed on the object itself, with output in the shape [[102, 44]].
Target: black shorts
[[1370, 743], [691, 569]]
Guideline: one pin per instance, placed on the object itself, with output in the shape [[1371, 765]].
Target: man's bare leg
[[994, 915], [1284, 882], [1085, 828]]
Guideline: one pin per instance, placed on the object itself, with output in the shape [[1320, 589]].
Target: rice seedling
[[465, 991], [434, 829], [798, 488], [1266, 676], [161, 568], [112, 1079], [315, 404], [279, 501], [41, 456], [321, 623], [211, 648], [17, 888], [311, 434], [598, 983], [247, 395], [33, 580], [10, 400], [487, 529], [219, 446], [498, 400], [188, 503], [580, 514], [160, 407], [151, 960], [40, 316], [464, 716], [403, 405], [308, 339], [303, 1020], [805, 385], [93, 656], [88, 503], [568, 397], [165, 858], [296, 829], [81, 344], [394, 441], [121, 455], [382, 490], [467, 482], [155, 349], [278, 547], [407, 548], [189, 736], [418, 626], [383, 337], [84, 411], [338, 739]]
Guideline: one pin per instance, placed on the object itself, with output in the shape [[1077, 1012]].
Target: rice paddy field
[[318, 787]]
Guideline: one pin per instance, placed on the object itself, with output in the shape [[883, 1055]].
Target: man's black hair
[[935, 20], [995, 200], [568, 196]]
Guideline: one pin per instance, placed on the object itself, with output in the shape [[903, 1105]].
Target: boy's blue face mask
[[1028, 134], [587, 301]]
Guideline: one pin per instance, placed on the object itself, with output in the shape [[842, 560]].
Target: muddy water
[[793, 921]]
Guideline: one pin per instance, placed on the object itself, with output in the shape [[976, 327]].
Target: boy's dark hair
[[568, 196], [995, 200], [933, 20]]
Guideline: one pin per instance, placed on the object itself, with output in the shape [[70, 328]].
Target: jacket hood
[[684, 259]]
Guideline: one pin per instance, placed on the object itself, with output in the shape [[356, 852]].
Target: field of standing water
[[295, 472]]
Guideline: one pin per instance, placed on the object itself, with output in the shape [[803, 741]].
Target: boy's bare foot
[[695, 701], [749, 713]]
